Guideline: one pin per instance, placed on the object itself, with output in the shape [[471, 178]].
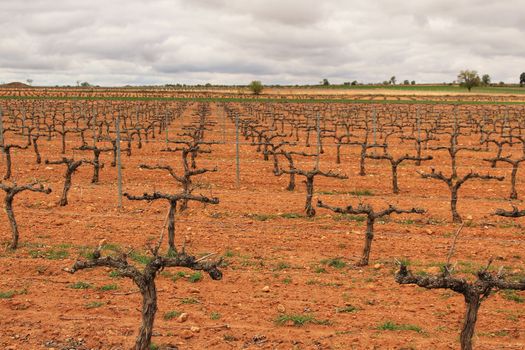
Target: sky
[[143, 42]]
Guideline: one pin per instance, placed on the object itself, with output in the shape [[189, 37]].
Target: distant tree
[[85, 84], [413, 82], [256, 87], [406, 82], [29, 81], [485, 79], [325, 82], [346, 83], [522, 79], [354, 82], [469, 79], [393, 80]]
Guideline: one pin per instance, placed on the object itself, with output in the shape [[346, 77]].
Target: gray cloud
[[278, 41]]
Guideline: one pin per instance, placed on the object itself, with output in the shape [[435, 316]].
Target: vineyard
[[164, 220]]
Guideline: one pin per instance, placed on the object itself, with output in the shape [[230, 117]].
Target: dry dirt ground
[[259, 228]]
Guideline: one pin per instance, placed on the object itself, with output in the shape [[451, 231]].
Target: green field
[[433, 88]]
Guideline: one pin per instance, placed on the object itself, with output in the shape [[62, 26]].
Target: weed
[[108, 287], [323, 284], [7, 295], [291, 216], [349, 217], [80, 285], [320, 269], [139, 258], [282, 266], [195, 277], [405, 262], [94, 304], [111, 246], [512, 296], [392, 326], [346, 309], [361, 193], [86, 253], [189, 301], [171, 315], [115, 274], [299, 320], [51, 254], [334, 262], [502, 333], [262, 217], [229, 337], [178, 276]]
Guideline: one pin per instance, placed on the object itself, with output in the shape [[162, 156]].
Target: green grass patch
[[349, 217], [334, 262], [115, 274], [80, 285], [346, 309], [392, 326], [189, 301], [108, 287], [287, 280], [361, 193], [94, 304], [511, 295], [178, 276], [215, 316], [266, 217], [229, 253], [170, 315], [140, 258], [50, 254], [291, 216], [64, 246], [195, 277], [405, 262], [11, 293], [352, 193], [8, 294], [111, 246], [319, 269], [282, 266], [468, 267], [314, 282], [262, 217], [299, 320]]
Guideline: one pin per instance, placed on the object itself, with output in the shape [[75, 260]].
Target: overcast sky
[[118, 42]]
